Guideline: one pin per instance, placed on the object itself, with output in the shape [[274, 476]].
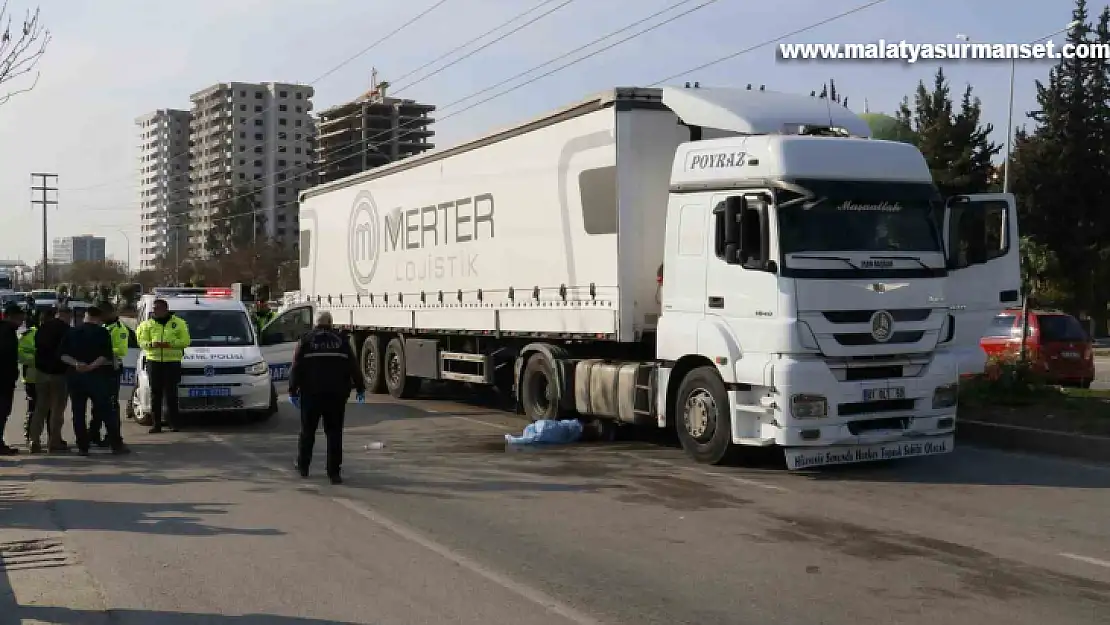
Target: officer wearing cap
[[324, 370], [163, 339]]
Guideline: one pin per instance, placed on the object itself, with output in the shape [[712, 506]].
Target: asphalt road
[[442, 525]]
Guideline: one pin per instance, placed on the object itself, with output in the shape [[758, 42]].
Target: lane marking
[[1087, 559], [527, 592], [524, 591]]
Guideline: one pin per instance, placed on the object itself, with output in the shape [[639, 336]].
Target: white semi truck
[[747, 267]]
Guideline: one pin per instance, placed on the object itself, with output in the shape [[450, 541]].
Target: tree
[[236, 223], [1060, 168], [20, 50], [828, 90], [89, 273], [955, 143]]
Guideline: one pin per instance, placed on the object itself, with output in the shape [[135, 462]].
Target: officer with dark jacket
[[324, 370], [9, 368]]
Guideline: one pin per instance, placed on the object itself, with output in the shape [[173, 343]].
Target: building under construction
[[369, 132]]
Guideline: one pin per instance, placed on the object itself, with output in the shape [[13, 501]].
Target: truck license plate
[[212, 391], [879, 394]]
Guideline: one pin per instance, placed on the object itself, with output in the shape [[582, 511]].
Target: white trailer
[[744, 266]]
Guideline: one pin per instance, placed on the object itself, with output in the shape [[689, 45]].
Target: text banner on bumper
[[805, 458]]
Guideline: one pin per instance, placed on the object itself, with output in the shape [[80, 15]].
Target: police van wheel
[[372, 362], [141, 419], [400, 384]]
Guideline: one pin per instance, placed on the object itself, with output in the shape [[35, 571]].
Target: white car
[[223, 371]]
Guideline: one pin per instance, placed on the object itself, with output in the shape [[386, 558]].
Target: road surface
[[442, 525]]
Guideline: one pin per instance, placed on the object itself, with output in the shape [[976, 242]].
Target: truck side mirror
[[728, 231]]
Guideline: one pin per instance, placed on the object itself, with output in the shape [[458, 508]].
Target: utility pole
[[44, 201]]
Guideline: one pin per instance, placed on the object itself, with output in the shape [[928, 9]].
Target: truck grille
[[864, 316], [204, 404], [858, 339]]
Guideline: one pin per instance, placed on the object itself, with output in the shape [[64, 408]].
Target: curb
[[1019, 438]]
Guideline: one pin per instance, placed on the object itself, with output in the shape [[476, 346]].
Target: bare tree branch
[[20, 52]]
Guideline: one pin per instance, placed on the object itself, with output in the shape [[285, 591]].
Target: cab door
[[278, 339], [984, 271]]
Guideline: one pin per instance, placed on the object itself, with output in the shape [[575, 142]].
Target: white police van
[[223, 370]]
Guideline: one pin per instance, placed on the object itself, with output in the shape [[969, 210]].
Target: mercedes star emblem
[[882, 326]]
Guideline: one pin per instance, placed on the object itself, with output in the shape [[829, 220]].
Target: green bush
[[1008, 380]]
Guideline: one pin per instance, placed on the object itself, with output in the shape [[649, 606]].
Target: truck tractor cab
[[223, 370], [823, 278]]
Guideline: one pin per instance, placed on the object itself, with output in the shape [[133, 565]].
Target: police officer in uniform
[[263, 314], [320, 380], [119, 334], [163, 339]]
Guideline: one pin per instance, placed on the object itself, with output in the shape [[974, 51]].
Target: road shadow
[[172, 519], [972, 466], [69, 616]]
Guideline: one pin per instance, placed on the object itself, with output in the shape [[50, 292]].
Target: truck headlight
[[258, 368], [946, 396], [809, 406]]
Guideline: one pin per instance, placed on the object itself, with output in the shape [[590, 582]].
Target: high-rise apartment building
[[85, 248], [253, 140], [369, 132], [163, 184]]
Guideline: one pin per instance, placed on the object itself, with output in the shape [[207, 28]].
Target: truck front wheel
[[397, 379], [538, 391], [702, 416]]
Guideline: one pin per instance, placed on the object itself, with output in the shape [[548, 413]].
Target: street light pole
[[128, 239], [1010, 109]]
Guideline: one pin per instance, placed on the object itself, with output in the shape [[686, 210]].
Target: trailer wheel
[[373, 364], [400, 384], [702, 417], [539, 392]]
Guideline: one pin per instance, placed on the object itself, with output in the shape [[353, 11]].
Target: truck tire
[[702, 418], [539, 394], [372, 363], [400, 384]]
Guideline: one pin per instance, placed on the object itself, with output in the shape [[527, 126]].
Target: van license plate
[[1070, 354], [879, 394], [215, 391]]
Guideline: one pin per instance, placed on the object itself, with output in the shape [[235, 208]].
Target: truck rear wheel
[[702, 416], [397, 380], [373, 364], [539, 392]]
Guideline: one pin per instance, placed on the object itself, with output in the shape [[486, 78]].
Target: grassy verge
[[1030, 404]]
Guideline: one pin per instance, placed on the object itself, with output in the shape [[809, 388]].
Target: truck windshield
[[850, 216], [218, 328]]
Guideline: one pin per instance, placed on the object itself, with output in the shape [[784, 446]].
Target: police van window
[[290, 326], [216, 328]]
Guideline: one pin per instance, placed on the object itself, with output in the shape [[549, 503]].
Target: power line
[[562, 67], [473, 40], [331, 71], [489, 43], [569, 53], [768, 42]]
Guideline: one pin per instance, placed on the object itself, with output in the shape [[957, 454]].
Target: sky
[[111, 61]]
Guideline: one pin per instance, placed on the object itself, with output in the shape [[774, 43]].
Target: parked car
[[1057, 344]]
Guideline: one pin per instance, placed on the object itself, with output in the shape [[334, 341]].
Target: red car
[[1057, 344]]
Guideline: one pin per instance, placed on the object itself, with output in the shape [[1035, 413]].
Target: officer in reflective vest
[[27, 362], [163, 339], [263, 314], [119, 334]]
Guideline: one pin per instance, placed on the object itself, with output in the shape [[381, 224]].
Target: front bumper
[[851, 420], [244, 393]]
